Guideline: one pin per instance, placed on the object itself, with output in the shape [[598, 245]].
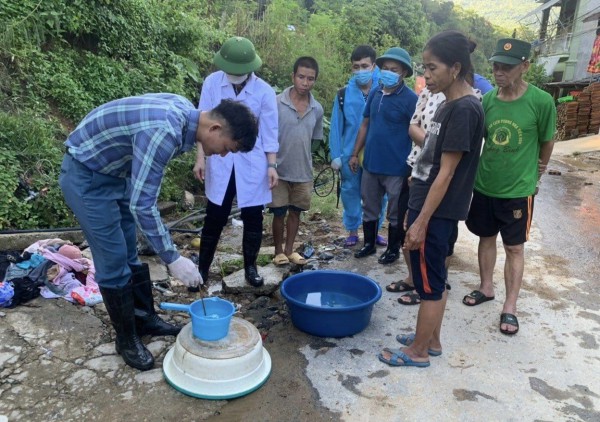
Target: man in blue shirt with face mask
[[346, 117], [384, 135]]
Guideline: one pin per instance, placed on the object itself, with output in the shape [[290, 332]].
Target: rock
[[188, 200], [235, 283], [166, 208], [149, 377], [106, 349], [267, 250], [156, 347], [82, 378], [158, 269], [20, 241], [259, 303], [311, 265], [105, 363]]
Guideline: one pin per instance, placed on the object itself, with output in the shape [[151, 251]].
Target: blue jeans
[[101, 205], [351, 201]]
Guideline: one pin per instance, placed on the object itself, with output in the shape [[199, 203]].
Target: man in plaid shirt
[[111, 176]]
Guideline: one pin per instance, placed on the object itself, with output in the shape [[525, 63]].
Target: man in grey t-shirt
[[300, 121]]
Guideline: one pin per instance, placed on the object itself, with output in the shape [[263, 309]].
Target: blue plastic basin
[[330, 303]]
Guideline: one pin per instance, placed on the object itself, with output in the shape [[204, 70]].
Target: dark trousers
[[217, 215]]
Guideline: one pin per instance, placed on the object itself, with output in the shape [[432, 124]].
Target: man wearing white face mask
[[346, 117], [384, 135], [249, 176]]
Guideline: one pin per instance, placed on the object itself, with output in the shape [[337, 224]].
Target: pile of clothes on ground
[[51, 268]]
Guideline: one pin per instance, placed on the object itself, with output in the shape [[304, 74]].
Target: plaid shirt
[[135, 138]]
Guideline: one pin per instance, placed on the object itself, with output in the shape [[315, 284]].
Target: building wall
[[582, 41]]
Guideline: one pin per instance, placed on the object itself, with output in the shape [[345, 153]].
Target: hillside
[[504, 13]]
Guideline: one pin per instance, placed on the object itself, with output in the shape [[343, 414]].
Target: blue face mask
[[389, 79], [363, 77]]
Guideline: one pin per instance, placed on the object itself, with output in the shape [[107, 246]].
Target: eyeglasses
[[503, 67]]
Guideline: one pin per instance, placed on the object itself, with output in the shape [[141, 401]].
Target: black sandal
[[478, 298], [414, 297], [399, 287], [509, 319]]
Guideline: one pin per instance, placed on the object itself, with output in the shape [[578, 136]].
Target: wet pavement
[[58, 361], [550, 370]]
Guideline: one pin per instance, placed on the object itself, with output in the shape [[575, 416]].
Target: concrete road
[[57, 361], [549, 371]]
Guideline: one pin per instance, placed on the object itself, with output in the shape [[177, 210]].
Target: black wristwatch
[[273, 165]]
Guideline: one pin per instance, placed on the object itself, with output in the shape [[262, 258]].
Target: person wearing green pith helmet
[[520, 122], [249, 176], [384, 135]]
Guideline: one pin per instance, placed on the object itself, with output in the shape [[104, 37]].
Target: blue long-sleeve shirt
[[135, 138], [345, 124]]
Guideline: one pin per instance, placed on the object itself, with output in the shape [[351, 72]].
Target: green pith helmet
[[511, 51], [398, 54], [237, 56]]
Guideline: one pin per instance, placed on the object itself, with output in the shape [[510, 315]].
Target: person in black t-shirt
[[442, 181]]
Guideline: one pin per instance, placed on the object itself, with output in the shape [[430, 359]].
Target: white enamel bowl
[[223, 369]]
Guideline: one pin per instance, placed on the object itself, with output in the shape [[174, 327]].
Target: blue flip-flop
[[405, 360], [351, 241], [381, 241], [407, 339]]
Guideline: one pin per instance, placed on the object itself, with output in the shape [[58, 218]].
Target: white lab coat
[[251, 169]]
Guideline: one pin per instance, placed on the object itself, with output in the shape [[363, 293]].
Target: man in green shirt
[[520, 122]]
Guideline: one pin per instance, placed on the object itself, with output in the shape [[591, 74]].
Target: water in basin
[[330, 300]]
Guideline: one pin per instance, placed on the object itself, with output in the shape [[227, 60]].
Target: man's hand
[[186, 271], [541, 168], [199, 169], [353, 163], [336, 164], [273, 177]]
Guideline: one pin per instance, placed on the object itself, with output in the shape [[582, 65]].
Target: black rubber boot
[[208, 247], [392, 253], [370, 234], [147, 320], [119, 304], [251, 246]]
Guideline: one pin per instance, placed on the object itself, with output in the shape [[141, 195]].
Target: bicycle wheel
[[324, 182]]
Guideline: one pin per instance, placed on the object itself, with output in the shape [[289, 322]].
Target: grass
[[325, 205], [233, 265]]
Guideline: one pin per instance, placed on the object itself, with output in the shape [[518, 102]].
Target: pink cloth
[[66, 285]]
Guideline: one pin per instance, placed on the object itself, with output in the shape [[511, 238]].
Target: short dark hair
[[362, 52], [239, 121], [308, 62], [453, 47]]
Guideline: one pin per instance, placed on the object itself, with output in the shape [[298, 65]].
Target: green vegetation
[[59, 60], [504, 13]]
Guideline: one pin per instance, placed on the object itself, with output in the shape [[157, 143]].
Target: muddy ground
[[58, 360]]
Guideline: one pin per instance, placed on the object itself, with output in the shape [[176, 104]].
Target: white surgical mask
[[236, 79]]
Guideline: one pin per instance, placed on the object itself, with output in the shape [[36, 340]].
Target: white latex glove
[[185, 270], [336, 164]]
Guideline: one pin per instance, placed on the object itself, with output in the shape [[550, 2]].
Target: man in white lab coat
[[250, 176]]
